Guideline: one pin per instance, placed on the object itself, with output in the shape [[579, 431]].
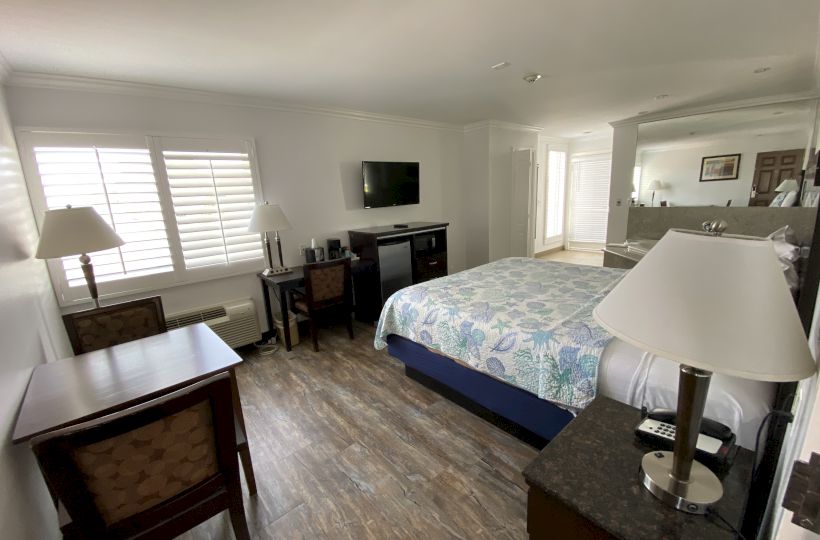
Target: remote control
[[667, 431]]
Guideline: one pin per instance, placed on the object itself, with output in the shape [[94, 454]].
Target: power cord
[[713, 512], [763, 423], [782, 414]]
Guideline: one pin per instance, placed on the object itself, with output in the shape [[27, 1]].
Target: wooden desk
[[88, 386], [281, 284]]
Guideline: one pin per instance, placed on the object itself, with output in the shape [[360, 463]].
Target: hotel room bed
[[517, 337]]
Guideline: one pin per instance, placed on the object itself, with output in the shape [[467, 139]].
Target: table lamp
[[76, 231], [713, 304], [269, 217], [654, 185]]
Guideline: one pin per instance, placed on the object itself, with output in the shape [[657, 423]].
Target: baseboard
[[556, 249]]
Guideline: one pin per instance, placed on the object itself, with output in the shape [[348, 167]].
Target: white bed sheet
[[638, 378]]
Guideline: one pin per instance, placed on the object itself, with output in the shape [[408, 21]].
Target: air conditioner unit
[[235, 322]]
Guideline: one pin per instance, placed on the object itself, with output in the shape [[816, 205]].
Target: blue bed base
[[513, 404]]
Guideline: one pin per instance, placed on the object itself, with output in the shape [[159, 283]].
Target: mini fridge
[[395, 266]]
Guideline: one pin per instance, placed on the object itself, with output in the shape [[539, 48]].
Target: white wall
[[624, 144], [30, 333], [476, 194], [309, 163], [679, 169]]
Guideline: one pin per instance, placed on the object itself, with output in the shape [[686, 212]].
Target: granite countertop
[[592, 467]]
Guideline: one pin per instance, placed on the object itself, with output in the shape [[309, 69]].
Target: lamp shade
[[655, 185], [268, 217], [790, 184], [73, 231], [720, 304]]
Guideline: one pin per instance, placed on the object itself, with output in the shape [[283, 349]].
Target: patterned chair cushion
[[139, 469], [327, 282], [102, 330]]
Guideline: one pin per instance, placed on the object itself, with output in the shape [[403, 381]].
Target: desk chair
[[102, 327], [327, 289], [107, 326], [155, 470]]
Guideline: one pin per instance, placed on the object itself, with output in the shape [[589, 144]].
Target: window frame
[[27, 139]]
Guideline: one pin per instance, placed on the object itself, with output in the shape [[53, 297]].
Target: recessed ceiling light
[[661, 96], [500, 65], [763, 69], [587, 132], [532, 77]]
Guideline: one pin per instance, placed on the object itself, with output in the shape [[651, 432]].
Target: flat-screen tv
[[389, 183]]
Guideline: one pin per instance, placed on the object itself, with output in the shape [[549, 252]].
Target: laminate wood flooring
[[344, 445]]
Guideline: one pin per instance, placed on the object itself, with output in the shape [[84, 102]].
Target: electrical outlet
[[302, 249]]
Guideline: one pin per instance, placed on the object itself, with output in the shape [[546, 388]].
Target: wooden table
[[281, 284], [88, 386]]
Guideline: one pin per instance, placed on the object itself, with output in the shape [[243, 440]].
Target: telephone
[[716, 443]]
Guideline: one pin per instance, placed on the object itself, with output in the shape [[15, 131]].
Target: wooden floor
[[589, 258], [345, 446]]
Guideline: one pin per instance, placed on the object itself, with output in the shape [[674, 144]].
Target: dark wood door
[[771, 168]]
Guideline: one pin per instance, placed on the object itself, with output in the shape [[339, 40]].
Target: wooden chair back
[[105, 326], [327, 283], [164, 466]]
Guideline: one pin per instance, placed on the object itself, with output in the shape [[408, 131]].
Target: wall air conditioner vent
[[189, 318], [235, 322]]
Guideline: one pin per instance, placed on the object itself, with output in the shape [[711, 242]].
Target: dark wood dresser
[[425, 244]]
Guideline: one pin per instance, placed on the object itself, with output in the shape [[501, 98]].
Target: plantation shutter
[[589, 200], [213, 198], [119, 184]]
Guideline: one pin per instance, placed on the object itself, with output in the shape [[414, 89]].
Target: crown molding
[[718, 107], [106, 86], [486, 124]]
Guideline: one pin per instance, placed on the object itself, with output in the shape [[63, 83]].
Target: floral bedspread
[[521, 320]]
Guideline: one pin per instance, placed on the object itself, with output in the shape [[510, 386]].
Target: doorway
[[771, 168]]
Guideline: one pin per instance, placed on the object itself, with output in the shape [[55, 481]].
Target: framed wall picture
[[724, 167]]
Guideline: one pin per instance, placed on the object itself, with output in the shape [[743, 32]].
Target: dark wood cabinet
[[394, 257]]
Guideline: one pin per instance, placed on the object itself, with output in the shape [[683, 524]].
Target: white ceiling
[[602, 60]]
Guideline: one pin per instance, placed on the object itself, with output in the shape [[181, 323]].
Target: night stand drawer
[[431, 266]]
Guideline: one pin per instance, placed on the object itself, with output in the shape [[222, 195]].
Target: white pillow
[[778, 200], [789, 199]]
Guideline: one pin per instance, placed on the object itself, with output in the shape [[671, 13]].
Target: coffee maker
[[334, 249]]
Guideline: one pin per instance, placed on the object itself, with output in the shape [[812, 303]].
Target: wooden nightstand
[[584, 484]]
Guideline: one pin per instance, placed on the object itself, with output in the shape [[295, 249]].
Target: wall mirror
[[744, 157]]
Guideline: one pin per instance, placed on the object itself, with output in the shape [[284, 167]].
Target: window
[[181, 205], [589, 201], [556, 175], [119, 184], [212, 195]]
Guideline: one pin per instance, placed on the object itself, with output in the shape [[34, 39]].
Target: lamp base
[[695, 497]]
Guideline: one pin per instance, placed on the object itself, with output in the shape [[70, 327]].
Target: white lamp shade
[[655, 185], [790, 184], [716, 303], [268, 217], [73, 231]]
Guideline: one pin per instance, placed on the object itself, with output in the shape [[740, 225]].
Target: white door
[[521, 200]]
